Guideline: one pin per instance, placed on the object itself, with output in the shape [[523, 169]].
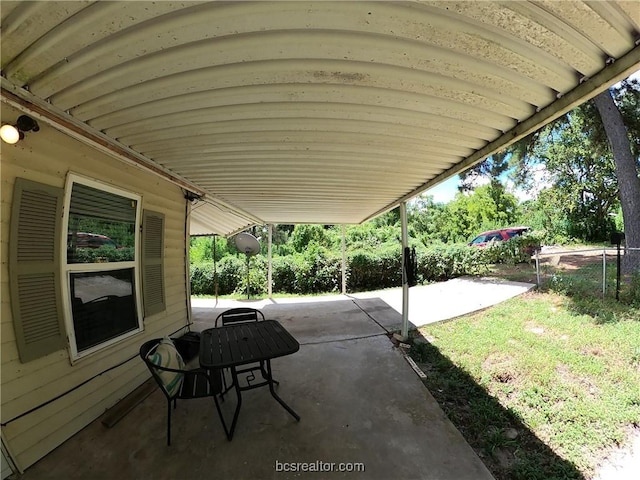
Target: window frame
[[68, 268]]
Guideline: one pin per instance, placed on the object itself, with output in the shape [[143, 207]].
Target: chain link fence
[[563, 269]]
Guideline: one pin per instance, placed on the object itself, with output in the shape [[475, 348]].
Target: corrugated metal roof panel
[[305, 112]]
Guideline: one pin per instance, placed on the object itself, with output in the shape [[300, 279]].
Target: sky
[[445, 192]]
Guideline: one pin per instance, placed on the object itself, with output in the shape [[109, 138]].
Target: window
[[101, 265]]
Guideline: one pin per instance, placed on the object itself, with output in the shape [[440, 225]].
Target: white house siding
[[47, 156]]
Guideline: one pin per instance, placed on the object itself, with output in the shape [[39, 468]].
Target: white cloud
[[541, 180], [479, 181]]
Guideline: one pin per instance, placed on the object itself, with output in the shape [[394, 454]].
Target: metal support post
[[270, 262], [344, 261], [405, 280], [215, 271]]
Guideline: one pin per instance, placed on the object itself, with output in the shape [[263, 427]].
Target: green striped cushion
[[166, 355]]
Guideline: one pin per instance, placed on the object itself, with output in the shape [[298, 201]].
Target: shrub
[[103, 254], [284, 274], [257, 278], [318, 270], [232, 276], [202, 279], [324, 274], [315, 271], [231, 269], [515, 250], [375, 270], [442, 262]]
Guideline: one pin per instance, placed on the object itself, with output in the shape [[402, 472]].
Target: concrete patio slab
[[360, 404]]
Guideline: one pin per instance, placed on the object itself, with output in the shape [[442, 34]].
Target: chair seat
[[200, 383]]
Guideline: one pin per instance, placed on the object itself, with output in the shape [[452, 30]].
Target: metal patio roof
[[309, 112]]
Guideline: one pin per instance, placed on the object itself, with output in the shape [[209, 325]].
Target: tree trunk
[[628, 181]]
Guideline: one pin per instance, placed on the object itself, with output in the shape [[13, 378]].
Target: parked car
[[90, 240], [500, 235]]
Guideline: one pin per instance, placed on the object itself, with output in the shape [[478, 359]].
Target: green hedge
[[230, 271], [374, 270], [302, 274], [104, 254], [319, 271], [442, 262]]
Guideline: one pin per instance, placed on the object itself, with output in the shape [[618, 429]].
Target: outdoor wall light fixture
[[13, 133]]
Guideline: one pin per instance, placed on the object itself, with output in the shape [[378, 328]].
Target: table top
[[241, 343]]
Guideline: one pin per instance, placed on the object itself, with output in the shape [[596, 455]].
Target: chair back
[[167, 368], [240, 314]]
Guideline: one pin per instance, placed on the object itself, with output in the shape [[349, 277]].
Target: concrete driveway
[[446, 300], [427, 303], [362, 409]]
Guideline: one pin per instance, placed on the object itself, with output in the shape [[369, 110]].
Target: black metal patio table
[[232, 346]]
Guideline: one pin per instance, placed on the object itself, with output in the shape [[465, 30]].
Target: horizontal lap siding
[[47, 156]]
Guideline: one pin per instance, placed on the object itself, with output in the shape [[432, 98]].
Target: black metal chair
[[243, 315], [183, 384], [240, 314]]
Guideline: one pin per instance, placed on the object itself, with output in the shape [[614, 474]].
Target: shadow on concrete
[[509, 449]]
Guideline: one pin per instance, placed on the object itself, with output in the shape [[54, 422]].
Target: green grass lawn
[[564, 383]]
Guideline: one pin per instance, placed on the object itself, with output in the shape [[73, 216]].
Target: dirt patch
[[501, 368], [583, 384], [574, 261], [549, 263], [534, 328]]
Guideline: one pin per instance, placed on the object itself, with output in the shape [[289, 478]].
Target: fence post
[[618, 273], [604, 272], [538, 268]]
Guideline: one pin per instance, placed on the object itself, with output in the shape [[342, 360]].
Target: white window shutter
[[34, 269], [153, 291]]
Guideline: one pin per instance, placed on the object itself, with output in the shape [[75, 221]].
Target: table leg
[[275, 395], [234, 376]]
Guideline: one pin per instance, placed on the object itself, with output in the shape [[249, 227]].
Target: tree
[[546, 213], [627, 170], [593, 162], [487, 207], [583, 172], [427, 219], [303, 235]]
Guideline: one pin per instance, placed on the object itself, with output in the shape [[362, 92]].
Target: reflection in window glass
[[101, 226], [102, 268], [103, 306]]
